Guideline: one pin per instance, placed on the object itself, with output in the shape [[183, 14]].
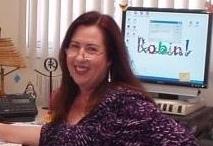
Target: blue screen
[[168, 46]]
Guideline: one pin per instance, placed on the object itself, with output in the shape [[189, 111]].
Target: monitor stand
[[178, 105]]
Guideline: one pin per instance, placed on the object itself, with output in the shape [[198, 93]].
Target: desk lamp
[[9, 57]]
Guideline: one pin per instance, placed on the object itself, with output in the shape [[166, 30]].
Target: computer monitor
[[169, 47]]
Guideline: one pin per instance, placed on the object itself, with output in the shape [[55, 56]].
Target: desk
[[38, 120]]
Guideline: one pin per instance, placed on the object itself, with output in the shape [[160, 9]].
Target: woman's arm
[[147, 125], [28, 135], [158, 128]]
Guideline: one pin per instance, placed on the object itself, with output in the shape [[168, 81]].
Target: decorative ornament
[[29, 90], [123, 4]]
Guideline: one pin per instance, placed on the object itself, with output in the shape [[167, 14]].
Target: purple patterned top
[[124, 118]]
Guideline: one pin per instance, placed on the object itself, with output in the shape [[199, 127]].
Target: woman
[[100, 101]]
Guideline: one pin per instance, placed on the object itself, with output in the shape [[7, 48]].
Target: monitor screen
[[168, 46]]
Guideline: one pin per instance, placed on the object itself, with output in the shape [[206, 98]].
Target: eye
[[91, 49], [74, 45]]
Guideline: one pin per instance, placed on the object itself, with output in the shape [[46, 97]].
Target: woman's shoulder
[[128, 96], [123, 91], [121, 88]]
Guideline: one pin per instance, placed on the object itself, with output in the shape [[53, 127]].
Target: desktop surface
[[38, 120]]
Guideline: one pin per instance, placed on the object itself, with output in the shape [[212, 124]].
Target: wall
[[9, 22], [9, 18]]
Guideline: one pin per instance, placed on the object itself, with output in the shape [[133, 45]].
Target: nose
[[81, 54]]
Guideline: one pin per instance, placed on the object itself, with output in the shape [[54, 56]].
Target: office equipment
[[169, 51], [17, 108], [178, 107]]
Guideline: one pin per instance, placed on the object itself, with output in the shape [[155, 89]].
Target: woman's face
[[86, 57]]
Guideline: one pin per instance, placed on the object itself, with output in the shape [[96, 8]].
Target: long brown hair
[[116, 52]]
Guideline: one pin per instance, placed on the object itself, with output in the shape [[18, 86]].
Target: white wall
[[9, 22], [9, 18]]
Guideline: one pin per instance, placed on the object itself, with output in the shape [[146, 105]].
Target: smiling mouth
[[80, 69]]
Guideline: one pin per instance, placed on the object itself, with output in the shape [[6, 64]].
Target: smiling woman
[[87, 108], [85, 54]]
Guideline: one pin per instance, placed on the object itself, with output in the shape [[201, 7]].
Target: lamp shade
[[10, 57]]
